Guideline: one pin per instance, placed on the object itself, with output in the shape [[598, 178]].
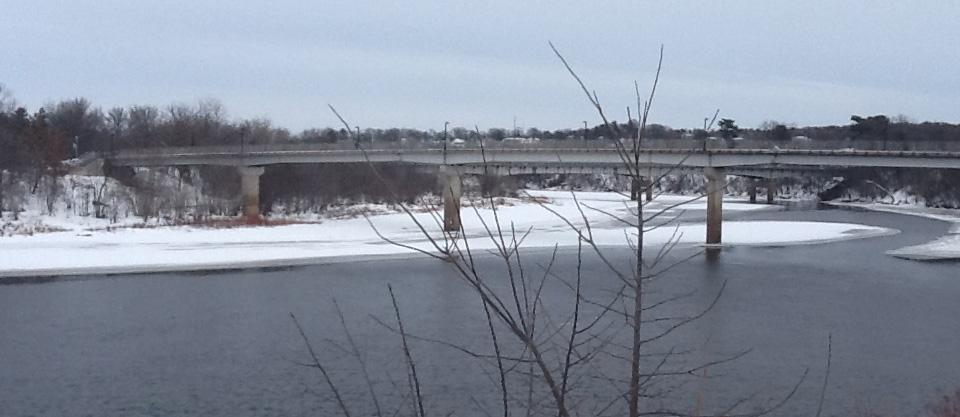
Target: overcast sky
[[420, 63]]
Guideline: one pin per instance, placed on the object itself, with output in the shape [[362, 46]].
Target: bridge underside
[[716, 183], [451, 183], [763, 171], [757, 164]]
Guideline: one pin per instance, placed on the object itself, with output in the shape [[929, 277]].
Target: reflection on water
[[223, 345]]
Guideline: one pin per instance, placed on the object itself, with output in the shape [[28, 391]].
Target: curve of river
[[223, 344]]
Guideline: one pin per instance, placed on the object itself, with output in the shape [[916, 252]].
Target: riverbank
[[945, 248], [186, 248]]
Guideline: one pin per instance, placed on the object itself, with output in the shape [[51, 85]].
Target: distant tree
[[311, 136], [873, 126], [700, 134], [7, 102], [12, 128], [80, 122], [496, 133], [142, 125], [325, 135], [780, 133], [330, 136], [728, 129], [45, 146], [117, 118], [903, 119], [656, 131], [390, 135], [260, 131], [459, 132]]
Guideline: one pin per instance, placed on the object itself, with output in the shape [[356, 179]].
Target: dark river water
[[223, 344]]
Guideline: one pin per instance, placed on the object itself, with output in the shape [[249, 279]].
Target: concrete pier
[[648, 183], [644, 184], [771, 190], [452, 190], [716, 183], [250, 191], [752, 190]]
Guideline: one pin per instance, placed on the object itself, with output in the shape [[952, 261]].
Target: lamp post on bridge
[[445, 142]]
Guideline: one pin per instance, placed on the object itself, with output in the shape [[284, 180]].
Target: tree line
[[34, 143]]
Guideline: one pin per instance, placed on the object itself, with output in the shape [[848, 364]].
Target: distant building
[[519, 140]]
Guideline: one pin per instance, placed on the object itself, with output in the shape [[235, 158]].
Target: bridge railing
[[691, 144]]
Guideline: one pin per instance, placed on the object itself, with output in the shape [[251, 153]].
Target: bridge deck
[[605, 158]]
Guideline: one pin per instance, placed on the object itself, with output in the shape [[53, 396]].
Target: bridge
[[452, 163]]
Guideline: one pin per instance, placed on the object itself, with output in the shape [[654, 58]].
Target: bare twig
[[411, 365], [323, 371]]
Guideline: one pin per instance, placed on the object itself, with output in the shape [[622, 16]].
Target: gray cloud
[[420, 63]]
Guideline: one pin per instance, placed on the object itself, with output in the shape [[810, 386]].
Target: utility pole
[[584, 130], [445, 142], [356, 140]]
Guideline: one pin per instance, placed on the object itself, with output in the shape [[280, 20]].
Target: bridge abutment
[[250, 191], [716, 182], [452, 185]]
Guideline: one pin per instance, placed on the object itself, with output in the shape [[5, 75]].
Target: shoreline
[[946, 248], [188, 250], [29, 275]]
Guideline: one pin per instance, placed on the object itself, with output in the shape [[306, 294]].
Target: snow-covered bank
[[944, 248], [190, 248], [942, 214]]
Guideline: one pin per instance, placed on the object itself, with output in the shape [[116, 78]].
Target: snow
[[944, 248], [83, 249], [915, 209]]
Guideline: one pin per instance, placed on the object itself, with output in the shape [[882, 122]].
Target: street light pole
[[356, 140], [445, 142], [584, 130]]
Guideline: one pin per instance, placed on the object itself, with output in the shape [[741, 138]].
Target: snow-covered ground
[[82, 249], [944, 248]]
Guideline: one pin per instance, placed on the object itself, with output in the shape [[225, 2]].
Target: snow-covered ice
[[82, 250], [944, 248]]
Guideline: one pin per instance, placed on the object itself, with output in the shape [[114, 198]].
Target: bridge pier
[[716, 183], [771, 190], [250, 191], [452, 190], [642, 183], [752, 190], [648, 182]]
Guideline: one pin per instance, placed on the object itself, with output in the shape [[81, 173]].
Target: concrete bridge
[[451, 164]]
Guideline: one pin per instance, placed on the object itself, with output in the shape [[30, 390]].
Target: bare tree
[[7, 102], [546, 357]]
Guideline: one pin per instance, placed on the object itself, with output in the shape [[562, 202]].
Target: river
[[223, 344]]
